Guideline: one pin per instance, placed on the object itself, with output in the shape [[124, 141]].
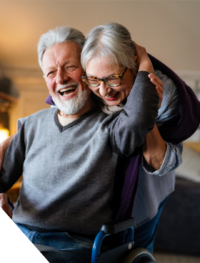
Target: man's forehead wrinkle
[[61, 54], [57, 62]]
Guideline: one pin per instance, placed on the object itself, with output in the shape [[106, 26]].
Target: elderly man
[[68, 155]]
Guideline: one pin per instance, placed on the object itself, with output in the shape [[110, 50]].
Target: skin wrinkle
[[100, 67], [57, 57]]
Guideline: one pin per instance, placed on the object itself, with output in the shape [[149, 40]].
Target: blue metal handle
[[130, 234], [97, 246]]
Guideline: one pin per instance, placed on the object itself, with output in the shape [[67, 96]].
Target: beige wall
[[33, 93], [170, 30]]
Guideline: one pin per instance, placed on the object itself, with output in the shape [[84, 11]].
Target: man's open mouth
[[67, 91]]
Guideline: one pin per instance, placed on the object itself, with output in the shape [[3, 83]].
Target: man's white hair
[[57, 36], [113, 42]]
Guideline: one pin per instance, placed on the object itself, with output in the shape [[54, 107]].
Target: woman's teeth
[[110, 96]]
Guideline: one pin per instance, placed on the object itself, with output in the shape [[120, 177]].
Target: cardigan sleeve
[[172, 159], [130, 126], [169, 109]]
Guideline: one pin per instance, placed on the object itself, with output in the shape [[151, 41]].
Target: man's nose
[[103, 89], [61, 76]]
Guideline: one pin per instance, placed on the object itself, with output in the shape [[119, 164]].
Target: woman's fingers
[[160, 95], [156, 78]]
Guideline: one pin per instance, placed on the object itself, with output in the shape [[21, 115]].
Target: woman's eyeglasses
[[111, 81]]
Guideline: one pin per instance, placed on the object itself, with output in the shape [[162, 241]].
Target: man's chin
[[73, 105]]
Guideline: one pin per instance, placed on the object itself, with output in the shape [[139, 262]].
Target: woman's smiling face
[[101, 68]]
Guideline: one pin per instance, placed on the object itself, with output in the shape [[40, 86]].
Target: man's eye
[[51, 73], [70, 68]]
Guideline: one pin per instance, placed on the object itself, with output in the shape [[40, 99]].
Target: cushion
[[190, 168]]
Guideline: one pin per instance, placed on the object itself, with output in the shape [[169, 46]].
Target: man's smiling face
[[62, 73]]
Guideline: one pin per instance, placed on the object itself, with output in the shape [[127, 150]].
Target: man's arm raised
[[3, 146], [3, 197], [5, 205]]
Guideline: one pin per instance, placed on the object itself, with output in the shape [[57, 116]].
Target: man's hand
[[144, 64], [158, 85], [154, 148], [142, 59], [5, 205], [3, 146]]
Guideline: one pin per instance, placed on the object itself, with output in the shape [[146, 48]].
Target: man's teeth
[[66, 91]]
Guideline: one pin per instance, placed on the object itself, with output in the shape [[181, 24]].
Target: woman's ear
[[135, 59]]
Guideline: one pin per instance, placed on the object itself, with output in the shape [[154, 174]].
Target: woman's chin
[[113, 101]]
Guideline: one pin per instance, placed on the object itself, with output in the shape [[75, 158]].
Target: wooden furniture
[[13, 192]]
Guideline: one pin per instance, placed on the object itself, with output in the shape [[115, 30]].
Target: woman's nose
[[103, 89]]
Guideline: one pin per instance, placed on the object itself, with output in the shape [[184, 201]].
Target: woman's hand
[[158, 85], [142, 59]]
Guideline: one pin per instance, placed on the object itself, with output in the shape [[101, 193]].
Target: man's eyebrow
[[50, 68], [66, 63]]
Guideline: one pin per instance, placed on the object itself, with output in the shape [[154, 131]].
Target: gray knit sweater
[[68, 172]]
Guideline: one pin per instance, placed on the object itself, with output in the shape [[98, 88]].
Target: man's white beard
[[74, 104]]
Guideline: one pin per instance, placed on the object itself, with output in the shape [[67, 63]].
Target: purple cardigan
[[175, 131]]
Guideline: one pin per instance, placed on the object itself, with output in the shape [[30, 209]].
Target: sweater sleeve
[[12, 167], [128, 129]]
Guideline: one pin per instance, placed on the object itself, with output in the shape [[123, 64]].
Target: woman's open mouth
[[112, 97]]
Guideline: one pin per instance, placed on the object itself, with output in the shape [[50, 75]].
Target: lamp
[[4, 133], [8, 96]]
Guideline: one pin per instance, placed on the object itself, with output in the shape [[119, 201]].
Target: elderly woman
[[109, 58]]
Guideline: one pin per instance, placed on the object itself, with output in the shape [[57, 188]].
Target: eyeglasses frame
[[103, 79]]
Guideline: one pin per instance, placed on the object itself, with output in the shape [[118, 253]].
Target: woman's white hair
[[113, 42], [58, 35]]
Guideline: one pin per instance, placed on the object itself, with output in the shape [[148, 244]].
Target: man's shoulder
[[43, 112], [36, 117]]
